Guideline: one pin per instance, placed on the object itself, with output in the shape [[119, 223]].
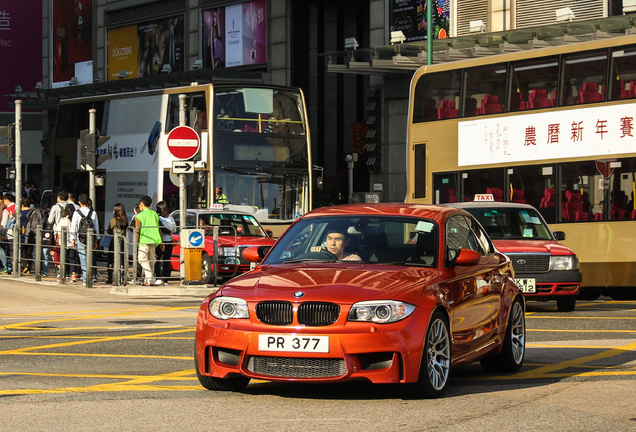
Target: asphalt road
[[75, 359]]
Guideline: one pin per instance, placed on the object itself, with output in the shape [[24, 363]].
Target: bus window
[[623, 73], [437, 96], [484, 181], [485, 89], [445, 188], [584, 77], [534, 84], [193, 100], [582, 192], [621, 183], [534, 185]]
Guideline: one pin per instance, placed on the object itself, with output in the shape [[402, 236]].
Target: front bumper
[[389, 353], [553, 284]]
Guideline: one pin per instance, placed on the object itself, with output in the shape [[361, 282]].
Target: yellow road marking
[[18, 353]]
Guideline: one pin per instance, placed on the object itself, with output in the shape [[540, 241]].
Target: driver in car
[[337, 240]]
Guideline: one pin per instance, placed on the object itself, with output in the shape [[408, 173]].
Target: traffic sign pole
[[182, 188]]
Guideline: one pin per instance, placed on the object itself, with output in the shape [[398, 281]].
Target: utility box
[[192, 242]]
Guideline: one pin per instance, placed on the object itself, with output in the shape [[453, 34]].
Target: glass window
[[460, 235], [534, 185], [534, 84], [507, 223], [258, 110], [133, 115], [193, 101], [623, 73], [445, 188], [582, 194], [485, 181], [437, 96], [584, 77], [419, 155], [485, 90], [620, 187]]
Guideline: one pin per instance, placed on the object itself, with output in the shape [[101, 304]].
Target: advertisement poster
[[72, 40], [160, 43], [17, 21], [235, 35], [122, 52], [409, 17]]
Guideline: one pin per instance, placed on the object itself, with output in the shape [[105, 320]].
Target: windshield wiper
[[313, 260]]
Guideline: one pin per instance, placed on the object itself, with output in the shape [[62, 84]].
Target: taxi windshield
[[512, 223], [230, 224]]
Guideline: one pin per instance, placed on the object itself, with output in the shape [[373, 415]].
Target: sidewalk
[[174, 288]]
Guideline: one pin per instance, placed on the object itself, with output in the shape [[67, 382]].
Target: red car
[[545, 269], [237, 231], [390, 293]]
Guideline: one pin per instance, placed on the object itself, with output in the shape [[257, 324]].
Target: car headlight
[[225, 308], [569, 262], [380, 311], [228, 251]]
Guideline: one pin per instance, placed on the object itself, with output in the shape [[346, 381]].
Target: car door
[[474, 291]]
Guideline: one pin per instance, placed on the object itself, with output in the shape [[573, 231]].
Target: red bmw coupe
[[390, 293]]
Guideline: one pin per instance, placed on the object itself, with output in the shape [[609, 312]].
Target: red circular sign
[[183, 142]]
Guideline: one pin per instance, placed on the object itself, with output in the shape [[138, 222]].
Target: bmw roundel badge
[[298, 294]]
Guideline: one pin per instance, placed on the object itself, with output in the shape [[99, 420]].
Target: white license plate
[[293, 343], [527, 285], [253, 265]]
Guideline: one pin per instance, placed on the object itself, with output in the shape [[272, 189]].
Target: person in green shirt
[[148, 237]]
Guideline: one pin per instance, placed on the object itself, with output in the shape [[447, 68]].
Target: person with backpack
[[7, 227], [25, 246], [38, 217], [84, 219]]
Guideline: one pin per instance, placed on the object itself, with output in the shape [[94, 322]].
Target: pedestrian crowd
[[151, 230]]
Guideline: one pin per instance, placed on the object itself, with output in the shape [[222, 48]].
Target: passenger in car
[[337, 240]]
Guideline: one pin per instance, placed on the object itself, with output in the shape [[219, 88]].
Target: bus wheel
[[207, 273], [566, 304]]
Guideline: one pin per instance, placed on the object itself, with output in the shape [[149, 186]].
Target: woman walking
[[163, 266], [118, 222]]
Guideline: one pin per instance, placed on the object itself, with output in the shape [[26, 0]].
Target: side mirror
[[468, 257], [559, 235], [269, 233], [255, 253]]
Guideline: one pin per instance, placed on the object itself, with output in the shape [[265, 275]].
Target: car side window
[[460, 235]]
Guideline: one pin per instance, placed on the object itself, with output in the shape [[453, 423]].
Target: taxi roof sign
[[484, 197], [216, 207]]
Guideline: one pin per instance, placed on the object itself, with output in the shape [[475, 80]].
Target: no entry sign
[[183, 142]]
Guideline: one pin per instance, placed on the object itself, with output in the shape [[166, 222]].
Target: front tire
[[566, 304], [234, 384], [436, 360], [207, 273], [513, 351]]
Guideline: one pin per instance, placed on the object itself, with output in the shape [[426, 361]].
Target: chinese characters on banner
[[600, 131]]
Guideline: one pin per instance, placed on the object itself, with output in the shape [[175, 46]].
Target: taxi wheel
[[436, 360], [566, 304], [206, 269], [234, 384], [513, 351]]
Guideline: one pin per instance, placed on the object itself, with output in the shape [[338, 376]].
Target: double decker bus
[[255, 146], [551, 127]]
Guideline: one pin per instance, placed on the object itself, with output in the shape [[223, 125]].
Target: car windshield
[[512, 223], [365, 239]]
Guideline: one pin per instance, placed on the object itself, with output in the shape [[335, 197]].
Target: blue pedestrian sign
[[195, 239]]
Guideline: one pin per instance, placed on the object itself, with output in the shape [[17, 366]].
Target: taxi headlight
[[228, 251], [569, 262], [380, 311], [225, 308]]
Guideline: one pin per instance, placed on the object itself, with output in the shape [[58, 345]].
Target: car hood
[[336, 282], [532, 246]]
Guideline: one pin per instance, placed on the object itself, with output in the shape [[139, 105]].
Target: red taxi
[[544, 268], [236, 231], [389, 293]]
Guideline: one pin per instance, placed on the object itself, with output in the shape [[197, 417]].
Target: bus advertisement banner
[[600, 131]]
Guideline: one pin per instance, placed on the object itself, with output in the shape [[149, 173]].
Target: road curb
[[139, 290]]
